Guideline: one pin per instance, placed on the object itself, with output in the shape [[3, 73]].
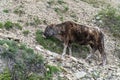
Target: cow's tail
[[102, 39]]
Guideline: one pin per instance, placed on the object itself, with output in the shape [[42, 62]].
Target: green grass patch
[[50, 71], [61, 11], [1, 25], [96, 3], [109, 18], [5, 75], [55, 45], [6, 11], [8, 25], [37, 21], [61, 2], [51, 2], [18, 26], [19, 11], [26, 32]]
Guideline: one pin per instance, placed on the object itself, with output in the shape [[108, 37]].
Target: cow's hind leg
[[103, 55]]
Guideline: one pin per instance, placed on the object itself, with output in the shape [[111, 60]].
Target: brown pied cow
[[69, 32]]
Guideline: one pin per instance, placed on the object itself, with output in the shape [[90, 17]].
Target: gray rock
[[80, 74]]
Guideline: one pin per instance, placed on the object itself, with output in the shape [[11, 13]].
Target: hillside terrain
[[23, 22]]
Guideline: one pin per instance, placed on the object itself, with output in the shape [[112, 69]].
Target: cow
[[70, 32]]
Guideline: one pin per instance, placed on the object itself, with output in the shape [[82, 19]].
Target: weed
[[96, 74], [74, 16], [61, 18], [50, 71], [18, 26], [8, 25], [19, 11], [96, 3], [51, 2], [37, 21], [61, 11], [6, 11], [26, 32], [34, 76], [5, 75], [1, 25], [61, 1], [58, 11], [66, 8]]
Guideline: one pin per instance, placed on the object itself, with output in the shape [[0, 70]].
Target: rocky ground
[[72, 68]]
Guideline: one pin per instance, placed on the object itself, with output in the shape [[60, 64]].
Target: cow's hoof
[[58, 58], [62, 57]]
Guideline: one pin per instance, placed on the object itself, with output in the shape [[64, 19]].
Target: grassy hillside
[[28, 56]]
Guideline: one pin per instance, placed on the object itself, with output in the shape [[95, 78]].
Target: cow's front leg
[[64, 50], [92, 51], [70, 49]]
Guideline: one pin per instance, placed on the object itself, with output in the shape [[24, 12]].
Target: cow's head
[[50, 31]]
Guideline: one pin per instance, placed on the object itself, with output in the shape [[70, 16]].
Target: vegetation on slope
[[23, 64], [109, 18], [10, 25]]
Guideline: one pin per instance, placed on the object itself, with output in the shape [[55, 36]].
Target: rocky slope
[[46, 10]]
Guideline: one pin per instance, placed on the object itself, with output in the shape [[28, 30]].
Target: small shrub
[[1, 25], [61, 11], [37, 21], [50, 71], [26, 32], [74, 16], [61, 1], [8, 25], [58, 11], [61, 18], [6, 11], [95, 74], [51, 2], [33, 76], [19, 11], [18, 26], [66, 8], [5, 75]]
